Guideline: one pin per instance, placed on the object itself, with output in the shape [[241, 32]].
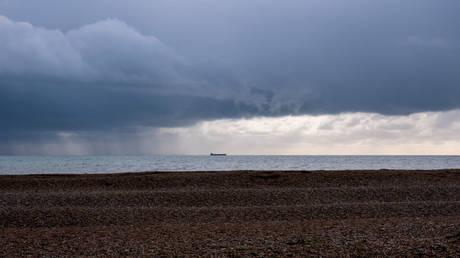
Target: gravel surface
[[238, 213]]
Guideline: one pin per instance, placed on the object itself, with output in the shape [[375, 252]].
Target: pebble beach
[[232, 213]]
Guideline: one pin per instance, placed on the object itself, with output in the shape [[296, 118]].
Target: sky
[[235, 76]]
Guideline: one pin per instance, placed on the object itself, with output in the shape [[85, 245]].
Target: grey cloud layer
[[118, 65], [102, 75], [108, 50]]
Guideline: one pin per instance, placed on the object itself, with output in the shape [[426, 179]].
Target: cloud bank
[[107, 51], [103, 75]]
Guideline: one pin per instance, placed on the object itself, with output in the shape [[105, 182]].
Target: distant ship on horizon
[[218, 154]]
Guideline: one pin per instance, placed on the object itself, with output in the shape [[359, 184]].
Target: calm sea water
[[112, 164]]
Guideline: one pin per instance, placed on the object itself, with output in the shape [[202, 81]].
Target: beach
[[232, 213]]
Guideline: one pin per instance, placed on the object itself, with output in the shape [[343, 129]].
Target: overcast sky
[[142, 76]]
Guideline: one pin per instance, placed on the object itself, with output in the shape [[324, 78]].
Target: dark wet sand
[[239, 213]]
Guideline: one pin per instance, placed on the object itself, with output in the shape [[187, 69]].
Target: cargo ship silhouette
[[218, 154]]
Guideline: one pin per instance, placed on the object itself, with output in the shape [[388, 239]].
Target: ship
[[218, 154]]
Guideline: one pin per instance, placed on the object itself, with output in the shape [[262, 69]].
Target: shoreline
[[235, 171], [232, 213]]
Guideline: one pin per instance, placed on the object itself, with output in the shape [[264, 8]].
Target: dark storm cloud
[[99, 65]]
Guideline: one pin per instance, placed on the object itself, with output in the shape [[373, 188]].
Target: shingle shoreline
[[233, 213]]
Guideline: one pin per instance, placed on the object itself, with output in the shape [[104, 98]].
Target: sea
[[15, 165]]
